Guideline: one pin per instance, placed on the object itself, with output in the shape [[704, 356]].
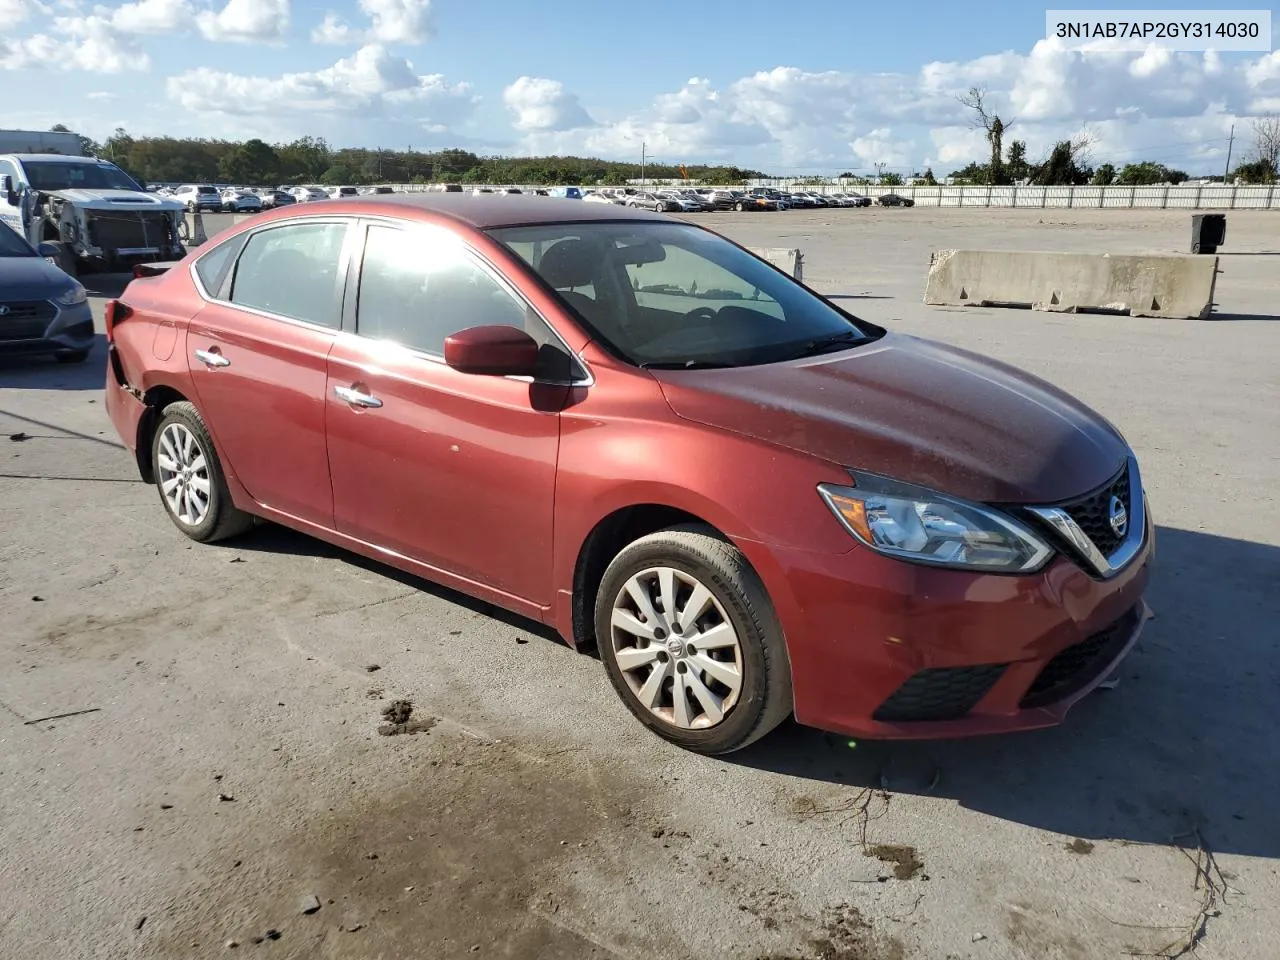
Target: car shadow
[[1242, 317], [43, 372], [270, 537], [1187, 739], [105, 285]]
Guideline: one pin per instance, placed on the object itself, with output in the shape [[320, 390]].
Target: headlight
[[913, 523], [73, 295]]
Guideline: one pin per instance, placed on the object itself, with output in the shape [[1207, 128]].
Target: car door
[[257, 353], [453, 470]]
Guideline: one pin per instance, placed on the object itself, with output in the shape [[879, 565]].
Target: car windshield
[[12, 245], [61, 175], [675, 296]]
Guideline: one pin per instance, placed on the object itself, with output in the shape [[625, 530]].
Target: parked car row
[[207, 198], [707, 199]]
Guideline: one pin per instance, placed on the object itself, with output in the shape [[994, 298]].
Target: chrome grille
[[1092, 513]]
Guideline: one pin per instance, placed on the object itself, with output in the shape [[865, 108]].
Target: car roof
[[57, 158], [495, 210]]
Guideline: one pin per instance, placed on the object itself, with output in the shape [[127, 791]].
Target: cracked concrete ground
[[233, 768]]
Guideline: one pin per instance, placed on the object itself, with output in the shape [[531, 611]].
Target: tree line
[[313, 160]]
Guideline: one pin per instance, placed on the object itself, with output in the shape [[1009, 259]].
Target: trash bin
[[1208, 231]]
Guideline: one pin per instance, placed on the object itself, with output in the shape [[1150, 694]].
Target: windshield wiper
[[822, 344], [684, 365]]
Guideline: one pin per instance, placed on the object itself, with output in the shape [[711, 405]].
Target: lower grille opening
[[940, 693], [1079, 663], [25, 319]]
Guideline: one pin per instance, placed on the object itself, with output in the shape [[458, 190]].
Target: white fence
[[1183, 197], [1199, 197]]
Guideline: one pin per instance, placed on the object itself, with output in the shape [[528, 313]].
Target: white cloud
[[879, 146], [150, 16], [370, 83], [333, 30], [544, 106], [90, 44], [246, 21], [398, 21], [13, 12], [788, 119], [102, 96], [390, 21]]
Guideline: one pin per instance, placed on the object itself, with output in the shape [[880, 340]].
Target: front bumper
[[69, 328], [884, 649]]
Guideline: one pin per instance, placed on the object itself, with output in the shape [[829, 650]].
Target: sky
[[822, 88]]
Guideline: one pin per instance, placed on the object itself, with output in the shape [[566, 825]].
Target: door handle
[[356, 398], [211, 359]]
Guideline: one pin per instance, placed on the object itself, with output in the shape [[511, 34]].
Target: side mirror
[[6, 187], [48, 250], [493, 351]]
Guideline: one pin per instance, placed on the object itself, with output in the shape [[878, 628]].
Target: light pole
[[642, 158]]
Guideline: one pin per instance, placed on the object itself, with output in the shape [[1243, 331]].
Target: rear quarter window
[[212, 265]]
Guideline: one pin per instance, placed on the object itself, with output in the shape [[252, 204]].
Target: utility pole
[[642, 146], [1230, 141]]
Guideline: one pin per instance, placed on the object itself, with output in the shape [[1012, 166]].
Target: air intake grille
[[25, 319], [940, 693], [1080, 663]]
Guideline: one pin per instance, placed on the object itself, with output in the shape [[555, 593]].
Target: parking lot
[[220, 763]]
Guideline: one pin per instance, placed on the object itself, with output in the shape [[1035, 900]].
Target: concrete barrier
[[1173, 285], [784, 258]]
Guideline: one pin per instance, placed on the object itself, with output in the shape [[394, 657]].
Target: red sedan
[[750, 502]]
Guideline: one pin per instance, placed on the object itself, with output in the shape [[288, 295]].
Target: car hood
[[115, 199], [917, 411], [30, 278]]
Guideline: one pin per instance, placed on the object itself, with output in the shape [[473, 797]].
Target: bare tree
[[1266, 139], [1082, 145], [995, 127]]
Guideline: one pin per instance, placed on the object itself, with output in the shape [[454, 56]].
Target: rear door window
[[293, 271]]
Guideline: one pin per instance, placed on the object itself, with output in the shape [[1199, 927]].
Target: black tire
[[222, 519], [764, 700], [191, 208], [71, 356], [740, 207]]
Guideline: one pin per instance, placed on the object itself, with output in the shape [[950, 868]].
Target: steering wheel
[[700, 312]]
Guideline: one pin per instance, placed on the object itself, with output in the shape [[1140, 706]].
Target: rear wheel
[[690, 641], [190, 479]]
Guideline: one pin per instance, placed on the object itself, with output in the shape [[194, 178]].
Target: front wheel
[[690, 641], [190, 479]]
